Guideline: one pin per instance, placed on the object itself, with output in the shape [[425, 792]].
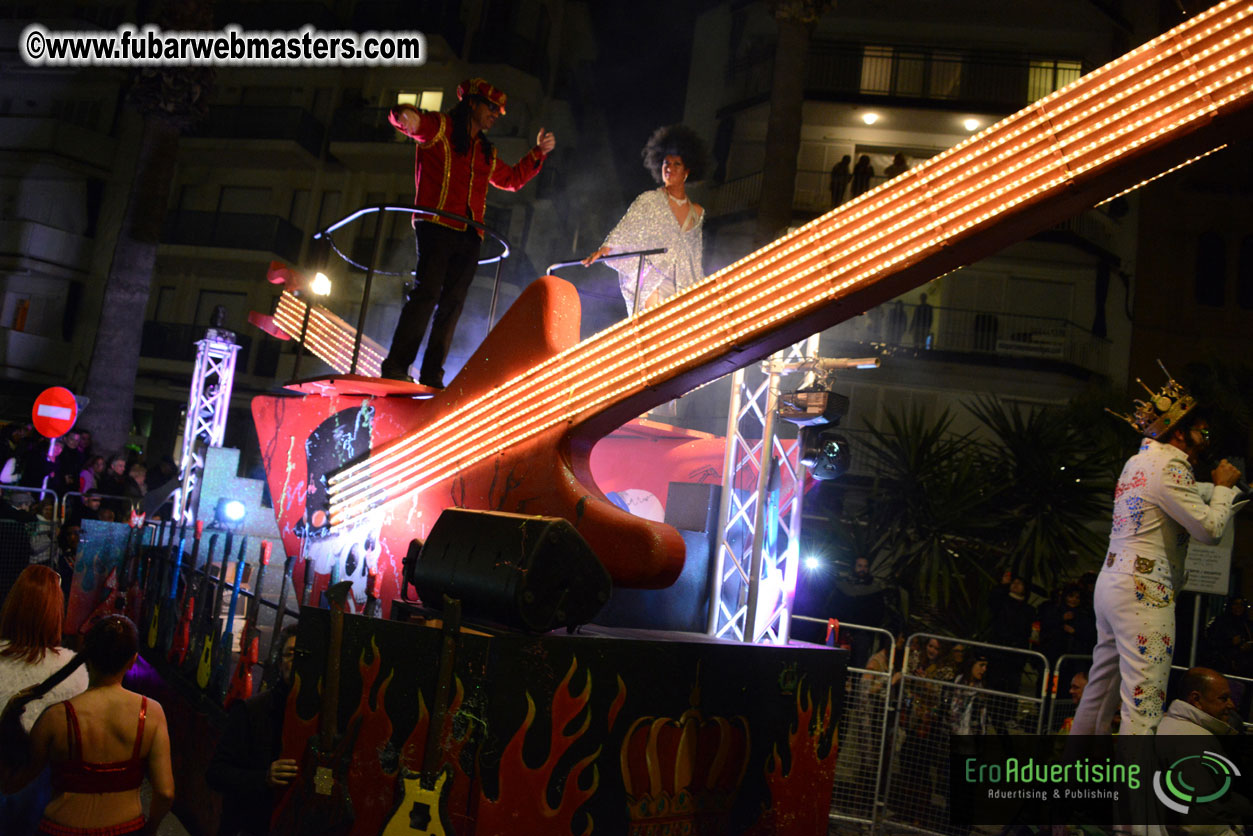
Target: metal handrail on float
[[378, 210]]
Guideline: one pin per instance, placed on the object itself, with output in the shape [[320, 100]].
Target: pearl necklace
[[677, 201]]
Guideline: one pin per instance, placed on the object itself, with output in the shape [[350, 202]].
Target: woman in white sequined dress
[[663, 217]]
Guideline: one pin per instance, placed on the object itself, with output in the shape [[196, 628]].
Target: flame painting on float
[[514, 430], [561, 734]]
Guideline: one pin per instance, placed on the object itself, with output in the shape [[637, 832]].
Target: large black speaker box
[[532, 573]]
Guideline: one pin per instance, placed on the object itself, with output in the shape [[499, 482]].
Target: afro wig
[[680, 140]]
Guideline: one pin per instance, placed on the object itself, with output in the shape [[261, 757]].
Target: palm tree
[[1057, 477], [796, 20], [169, 100], [926, 514]]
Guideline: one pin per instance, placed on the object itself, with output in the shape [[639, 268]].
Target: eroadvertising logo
[[1102, 781], [1178, 790]]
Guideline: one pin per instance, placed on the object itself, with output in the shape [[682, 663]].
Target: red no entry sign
[[54, 412]]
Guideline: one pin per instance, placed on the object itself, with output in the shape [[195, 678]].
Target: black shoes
[[392, 371], [434, 382]]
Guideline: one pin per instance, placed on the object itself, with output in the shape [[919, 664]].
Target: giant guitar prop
[[514, 430]]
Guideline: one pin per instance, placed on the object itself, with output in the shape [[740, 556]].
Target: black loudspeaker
[[693, 505], [532, 573]]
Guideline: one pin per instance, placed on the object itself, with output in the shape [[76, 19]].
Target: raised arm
[[422, 125]]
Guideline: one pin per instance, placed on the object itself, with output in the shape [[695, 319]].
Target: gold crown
[[1162, 411]]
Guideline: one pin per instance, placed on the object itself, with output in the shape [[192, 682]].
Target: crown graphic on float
[[1155, 417], [682, 774]]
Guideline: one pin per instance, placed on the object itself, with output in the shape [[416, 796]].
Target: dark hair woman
[[663, 217]]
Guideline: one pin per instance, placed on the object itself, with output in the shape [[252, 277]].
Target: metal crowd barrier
[[863, 726], [933, 708], [23, 543]]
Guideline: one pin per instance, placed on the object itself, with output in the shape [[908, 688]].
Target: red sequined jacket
[[458, 182]]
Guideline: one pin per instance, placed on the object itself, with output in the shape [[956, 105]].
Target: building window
[[1044, 77], [424, 100], [1211, 269], [876, 70], [1244, 281], [912, 73]]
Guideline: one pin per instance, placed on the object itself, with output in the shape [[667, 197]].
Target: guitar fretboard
[[328, 337], [1147, 99]]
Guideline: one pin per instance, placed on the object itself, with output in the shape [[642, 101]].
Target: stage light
[[812, 407], [230, 513], [825, 452], [870, 118], [321, 285], [812, 564], [971, 125]]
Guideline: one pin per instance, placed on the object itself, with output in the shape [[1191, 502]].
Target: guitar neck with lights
[[327, 336], [1136, 116]]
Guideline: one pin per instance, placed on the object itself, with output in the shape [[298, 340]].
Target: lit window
[[425, 100], [1044, 77], [876, 69]]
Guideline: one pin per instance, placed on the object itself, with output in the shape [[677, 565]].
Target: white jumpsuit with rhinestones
[[1158, 506]]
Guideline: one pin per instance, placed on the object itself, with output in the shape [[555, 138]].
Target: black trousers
[[447, 260]]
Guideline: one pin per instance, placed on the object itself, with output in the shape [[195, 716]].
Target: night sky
[[642, 93]]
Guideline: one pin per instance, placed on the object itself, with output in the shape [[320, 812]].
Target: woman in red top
[[101, 744]]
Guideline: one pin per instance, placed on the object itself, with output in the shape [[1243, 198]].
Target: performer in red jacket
[[454, 165]]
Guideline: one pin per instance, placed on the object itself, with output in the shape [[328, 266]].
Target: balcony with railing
[[291, 124], [1036, 341], [910, 75], [235, 230]]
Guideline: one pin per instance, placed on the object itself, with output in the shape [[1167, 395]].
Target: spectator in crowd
[[101, 743], [1077, 683], [859, 599], [112, 482], [39, 466], [41, 532], [898, 166], [15, 524], [968, 711], [1012, 616], [136, 482], [246, 767], [161, 475], [1204, 706], [840, 177], [15, 437], [30, 652], [1066, 625], [1197, 724], [1229, 639], [862, 174], [91, 473], [921, 324], [69, 463], [87, 508]]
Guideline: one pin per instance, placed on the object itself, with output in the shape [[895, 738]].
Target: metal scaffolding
[[756, 555], [208, 403]]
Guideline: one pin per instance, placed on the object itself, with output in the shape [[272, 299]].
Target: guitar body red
[[547, 474]]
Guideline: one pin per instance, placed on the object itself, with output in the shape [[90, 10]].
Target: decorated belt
[[1130, 563]]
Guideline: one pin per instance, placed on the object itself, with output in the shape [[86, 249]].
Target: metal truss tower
[[757, 551], [208, 403]]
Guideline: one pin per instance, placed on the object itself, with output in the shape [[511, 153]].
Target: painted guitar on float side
[[514, 430]]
